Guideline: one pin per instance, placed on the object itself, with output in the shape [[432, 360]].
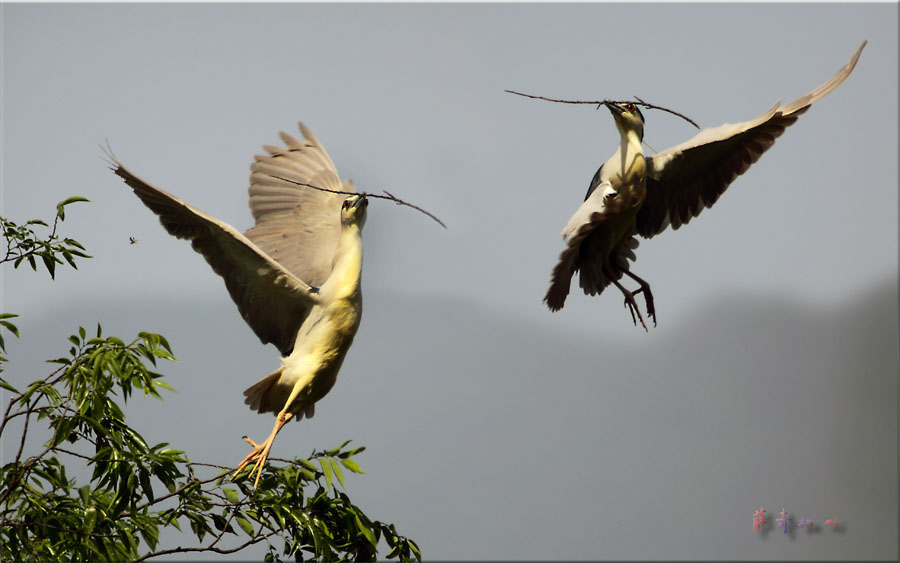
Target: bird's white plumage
[[677, 184], [595, 203], [295, 276], [689, 177]]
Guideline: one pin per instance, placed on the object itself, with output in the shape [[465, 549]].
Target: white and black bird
[[636, 195], [294, 276]]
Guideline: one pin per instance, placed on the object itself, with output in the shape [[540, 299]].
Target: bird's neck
[[629, 158], [345, 275]]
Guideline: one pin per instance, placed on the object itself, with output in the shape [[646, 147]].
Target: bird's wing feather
[[272, 301], [600, 205], [687, 178], [595, 181], [297, 226]]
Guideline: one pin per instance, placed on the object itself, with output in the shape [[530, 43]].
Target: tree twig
[[251, 541], [388, 196], [599, 103]]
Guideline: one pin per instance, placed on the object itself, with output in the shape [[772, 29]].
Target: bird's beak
[[615, 109], [362, 201]]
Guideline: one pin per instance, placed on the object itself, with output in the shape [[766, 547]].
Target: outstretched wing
[[591, 245], [297, 226], [272, 301], [687, 178]]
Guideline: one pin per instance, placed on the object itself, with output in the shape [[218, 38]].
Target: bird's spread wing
[[687, 178], [272, 300], [587, 247], [297, 226]]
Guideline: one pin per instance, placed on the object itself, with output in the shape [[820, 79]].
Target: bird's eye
[[630, 107], [346, 204]]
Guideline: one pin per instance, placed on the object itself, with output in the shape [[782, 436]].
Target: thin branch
[[13, 400], [6, 415], [251, 541], [213, 465], [673, 112], [599, 103], [176, 492], [30, 408], [388, 196], [22, 470], [533, 97]]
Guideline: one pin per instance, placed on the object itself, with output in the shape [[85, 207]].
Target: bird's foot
[[259, 454], [634, 309], [648, 300], [645, 289], [632, 304]]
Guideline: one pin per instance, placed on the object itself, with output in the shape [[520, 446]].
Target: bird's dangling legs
[[648, 296], [261, 451], [631, 304]]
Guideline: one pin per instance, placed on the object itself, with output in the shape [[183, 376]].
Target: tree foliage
[[23, 244], [48, 512]]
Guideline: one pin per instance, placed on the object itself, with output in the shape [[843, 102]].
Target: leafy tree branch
[[23, 244], [96, 490]]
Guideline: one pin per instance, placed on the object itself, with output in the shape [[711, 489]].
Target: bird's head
[[353, 210], [628, 118]]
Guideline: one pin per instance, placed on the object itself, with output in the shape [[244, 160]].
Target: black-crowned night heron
[[295, 276], [636, 195]]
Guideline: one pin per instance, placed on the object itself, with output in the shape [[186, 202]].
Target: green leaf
[[355, 451], [335, 451], [415, 549], [245, 525], [231, 495], [308, 464], [73, 199], [352, 465], [8, 387], [337, 472], [9, 326], [366, 531], [90, 519], [326, 469], [50, 264], [221, 523], [59, 206]]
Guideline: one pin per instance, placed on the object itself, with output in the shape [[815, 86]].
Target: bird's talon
[[634, 310]]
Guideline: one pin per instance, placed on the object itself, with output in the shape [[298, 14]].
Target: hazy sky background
[[497, 429]]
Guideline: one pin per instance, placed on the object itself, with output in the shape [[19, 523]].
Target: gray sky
[[495, 428]]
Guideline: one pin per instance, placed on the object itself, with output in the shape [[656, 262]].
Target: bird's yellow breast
[[343, 318], [319, 353]]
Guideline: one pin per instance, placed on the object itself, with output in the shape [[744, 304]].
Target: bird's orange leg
[[648, 296], [631, 304], [261, 451]]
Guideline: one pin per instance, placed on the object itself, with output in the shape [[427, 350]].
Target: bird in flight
[[294, 276], [632, 194]]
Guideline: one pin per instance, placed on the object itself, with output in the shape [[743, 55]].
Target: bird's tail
[[267, 396], [263, 395], [560, 279], [595, 276]]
